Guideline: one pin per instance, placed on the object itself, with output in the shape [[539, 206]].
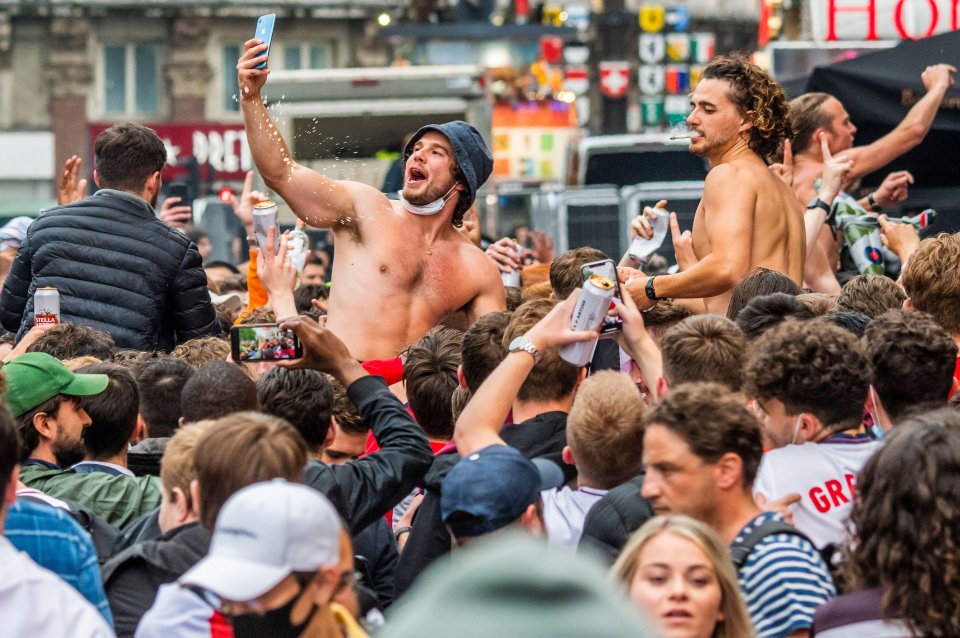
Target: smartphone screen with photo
[[264, 342], [605, 268]]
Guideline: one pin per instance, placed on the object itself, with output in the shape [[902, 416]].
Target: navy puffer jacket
[[118, 269]]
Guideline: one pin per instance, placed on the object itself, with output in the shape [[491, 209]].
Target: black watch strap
[[816, 202], [651, 292]]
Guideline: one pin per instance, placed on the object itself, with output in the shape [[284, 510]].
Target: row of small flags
[[652, 79]]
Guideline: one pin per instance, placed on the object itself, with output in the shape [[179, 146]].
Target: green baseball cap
[[35, 377]]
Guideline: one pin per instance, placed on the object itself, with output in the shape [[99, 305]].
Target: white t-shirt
[[564, 511], [825, 476], [36, 602]]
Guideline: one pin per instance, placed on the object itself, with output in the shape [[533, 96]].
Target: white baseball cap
[[263, 533]]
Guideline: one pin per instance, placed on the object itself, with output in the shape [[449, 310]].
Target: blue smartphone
[[264, 33]]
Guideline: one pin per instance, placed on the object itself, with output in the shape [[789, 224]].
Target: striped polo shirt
[[783, 581]]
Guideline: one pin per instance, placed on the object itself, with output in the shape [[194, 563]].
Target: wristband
[[401, 530], [872, 201], [651, 292]]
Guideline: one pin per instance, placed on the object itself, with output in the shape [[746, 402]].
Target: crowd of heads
[[675, 439]]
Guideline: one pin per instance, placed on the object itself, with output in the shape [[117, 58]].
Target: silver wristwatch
[[522, 343]]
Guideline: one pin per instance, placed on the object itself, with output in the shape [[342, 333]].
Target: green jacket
[[116, 499]]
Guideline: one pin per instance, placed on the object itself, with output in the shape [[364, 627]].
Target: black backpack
[[102, 533]]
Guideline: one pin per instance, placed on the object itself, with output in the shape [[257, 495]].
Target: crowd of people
[[757, 451]]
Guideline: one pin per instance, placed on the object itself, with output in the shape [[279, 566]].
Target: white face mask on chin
[[432, 208]]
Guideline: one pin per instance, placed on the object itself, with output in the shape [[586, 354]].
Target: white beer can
[[265, 216], [46, 306], [511, 279], [592, 306]]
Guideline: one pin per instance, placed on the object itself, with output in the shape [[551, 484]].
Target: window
[[308, 56], [131, 79], [231, 90]]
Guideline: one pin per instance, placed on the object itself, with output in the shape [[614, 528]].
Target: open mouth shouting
[[415, 175]]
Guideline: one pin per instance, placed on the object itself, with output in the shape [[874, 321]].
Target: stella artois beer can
[[592, 306], [46, 307], [265, 216]]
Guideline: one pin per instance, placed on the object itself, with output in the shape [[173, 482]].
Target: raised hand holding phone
[[264, 33]]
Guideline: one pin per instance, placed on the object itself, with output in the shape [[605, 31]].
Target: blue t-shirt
[[56, 542], [783, 581]]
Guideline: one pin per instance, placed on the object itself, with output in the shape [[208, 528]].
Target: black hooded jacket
[[117, 268]]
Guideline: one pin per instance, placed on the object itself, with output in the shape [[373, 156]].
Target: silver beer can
[[265, 216], [46, 306], [511, 279], [592, 306]]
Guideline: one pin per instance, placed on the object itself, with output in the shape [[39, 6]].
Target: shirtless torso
[[769, 228], [396, 274], [748, 217], [391, 287], [831, 120]]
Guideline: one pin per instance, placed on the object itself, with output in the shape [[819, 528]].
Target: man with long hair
[[748, 217]]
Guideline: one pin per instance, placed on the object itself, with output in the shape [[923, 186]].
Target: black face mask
[[270, 624]]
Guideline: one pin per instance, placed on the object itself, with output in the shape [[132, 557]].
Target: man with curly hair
[[810, 381], [400, 266], [748, 218]]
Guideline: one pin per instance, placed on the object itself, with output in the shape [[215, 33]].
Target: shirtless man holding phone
[[748, 216], [400, 267]]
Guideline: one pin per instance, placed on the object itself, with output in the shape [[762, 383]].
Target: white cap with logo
[[263, 533]]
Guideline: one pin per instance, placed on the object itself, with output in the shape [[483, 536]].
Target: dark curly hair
[[811, 367], [906, 530], [753, 90]]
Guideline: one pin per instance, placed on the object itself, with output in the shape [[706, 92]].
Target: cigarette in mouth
[[688, 136]]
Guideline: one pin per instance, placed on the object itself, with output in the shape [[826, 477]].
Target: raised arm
[[479, 424], [911, 131], [728, 203], [319, 201]]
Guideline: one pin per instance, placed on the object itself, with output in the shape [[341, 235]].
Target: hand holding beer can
[[265, 216], [592, 306], [46, 307]]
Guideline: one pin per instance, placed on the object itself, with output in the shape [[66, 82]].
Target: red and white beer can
[[591, 308], [46, 306]]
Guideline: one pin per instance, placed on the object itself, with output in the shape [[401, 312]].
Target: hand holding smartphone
[[182, 191], [264, 342], [264, 33]]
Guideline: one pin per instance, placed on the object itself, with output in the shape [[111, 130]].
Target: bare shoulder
[[731, 174], [738, 175], [475, 267]]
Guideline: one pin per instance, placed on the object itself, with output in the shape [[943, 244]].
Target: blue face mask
[[876, 432], [432, 208]]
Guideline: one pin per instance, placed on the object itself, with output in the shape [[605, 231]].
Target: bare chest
[[432, 276]]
